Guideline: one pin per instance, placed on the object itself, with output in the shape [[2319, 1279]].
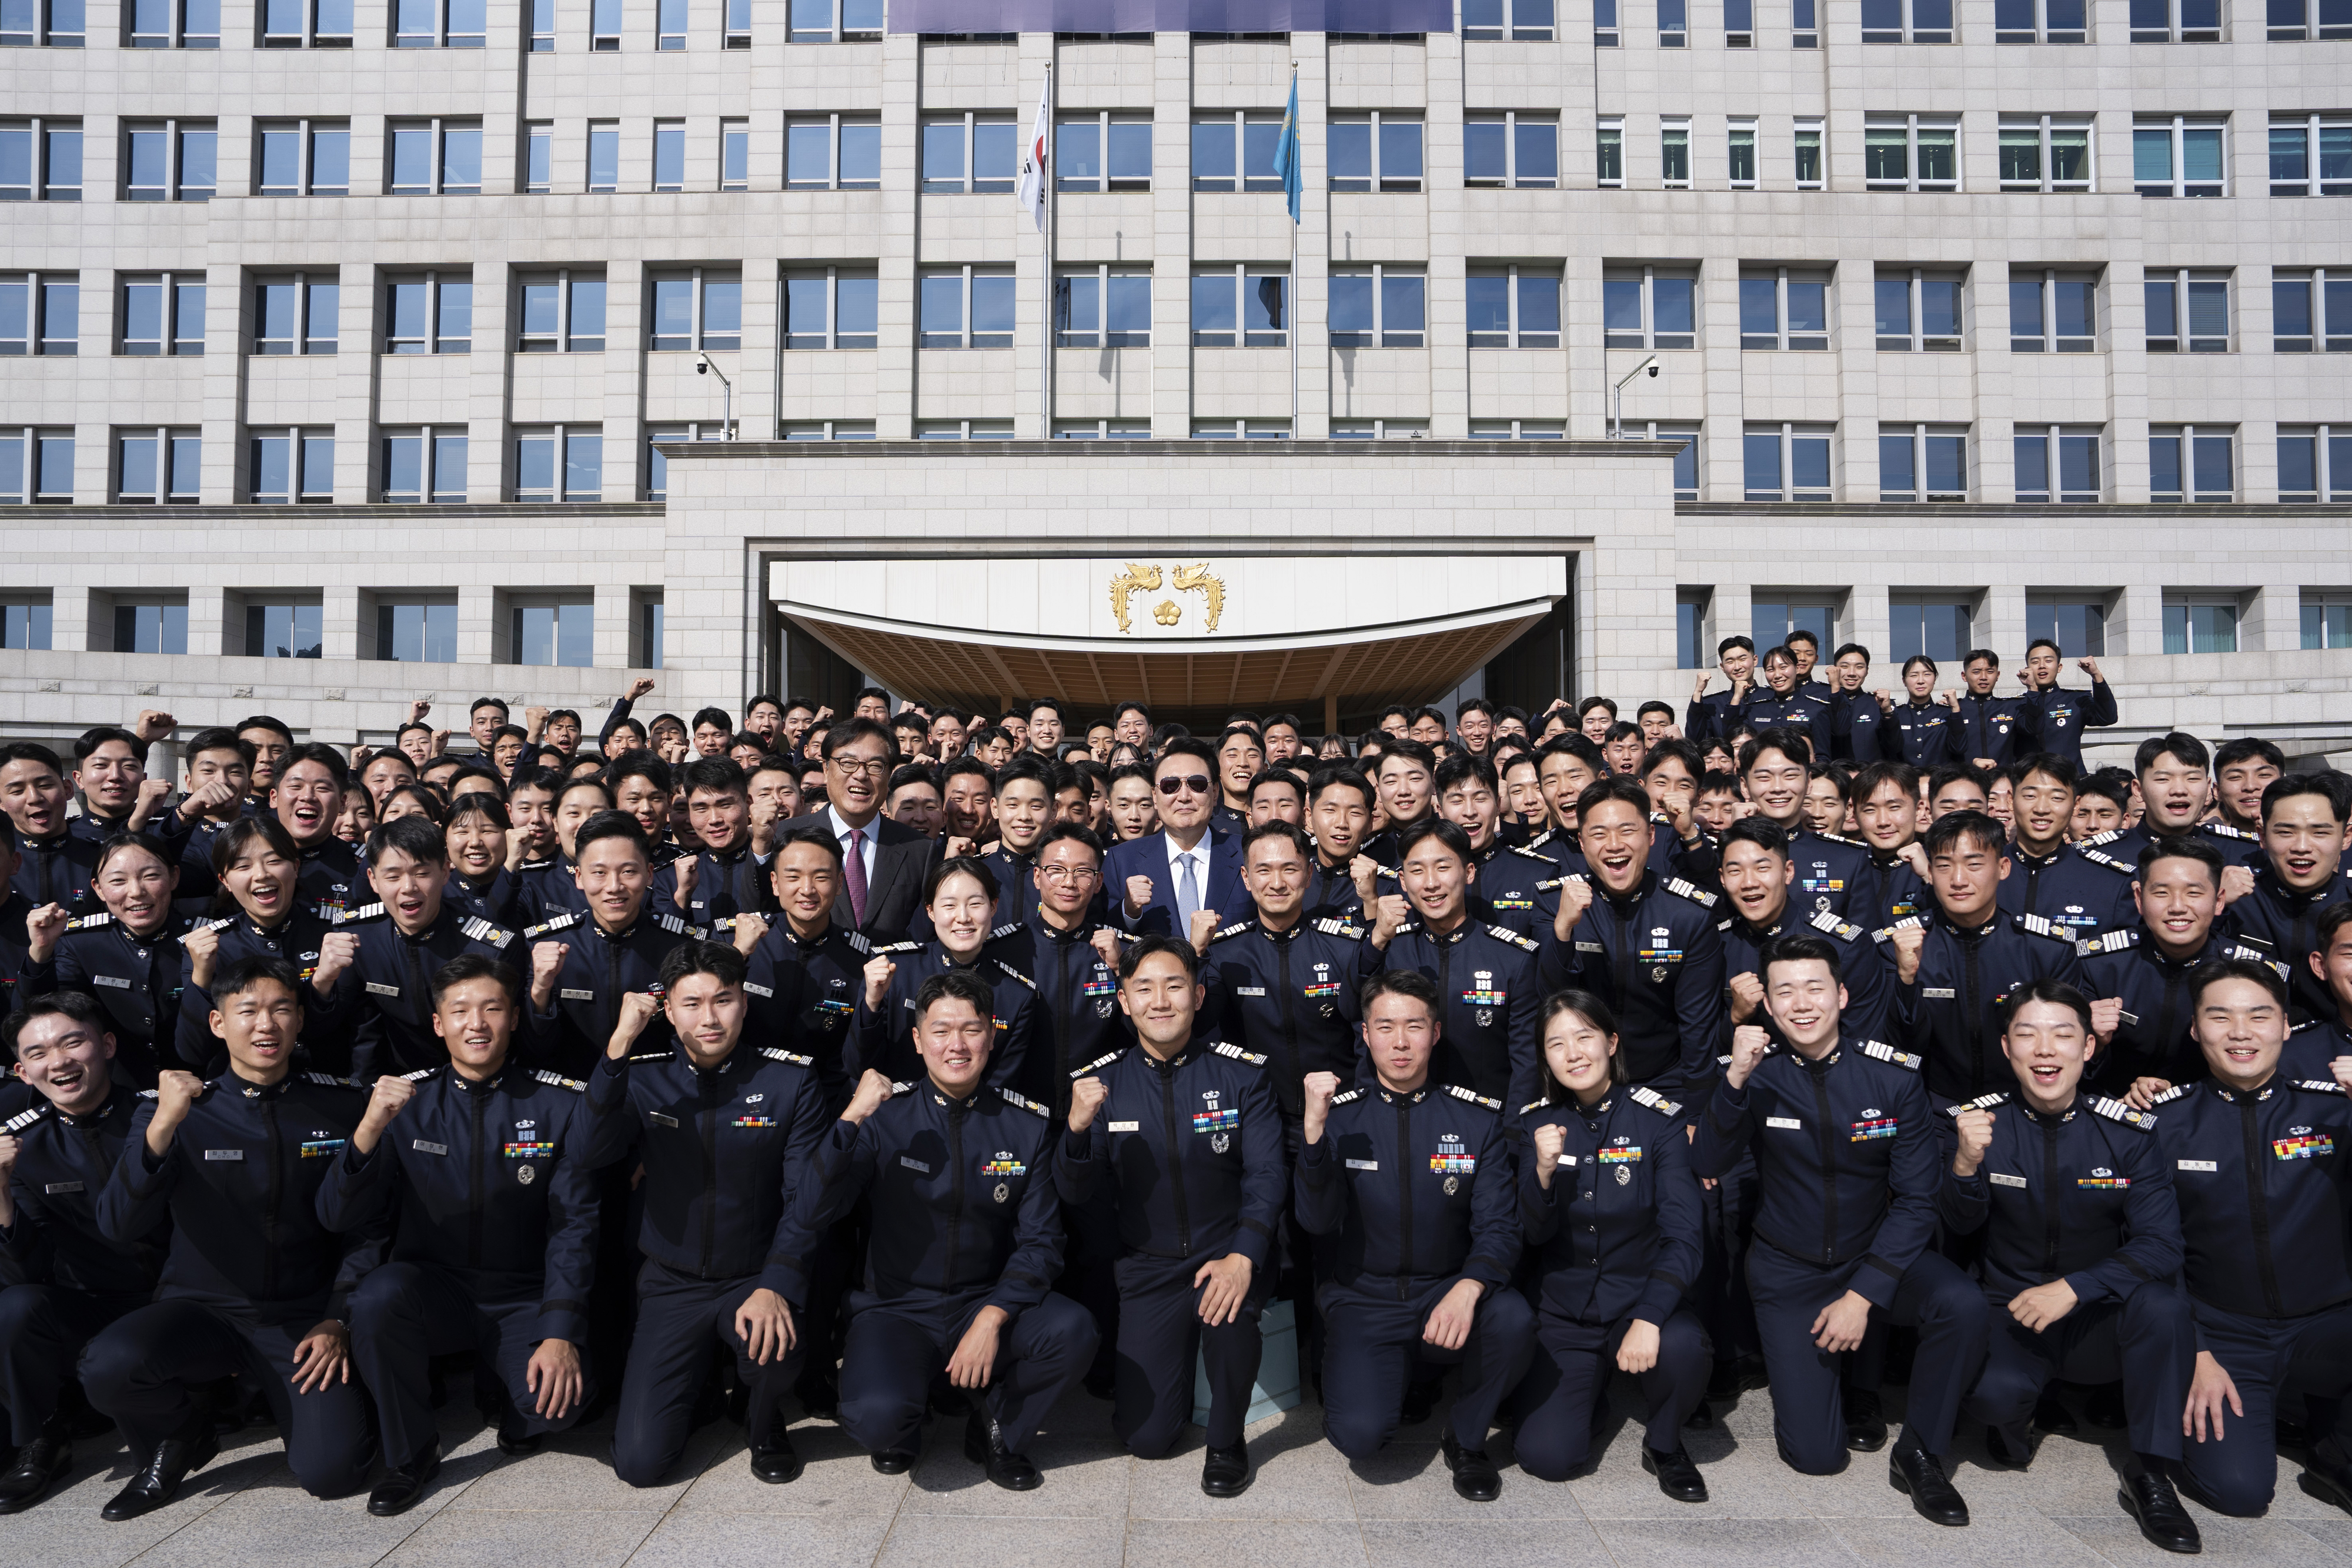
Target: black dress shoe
[[158, 1480], [1918, 1475], [1730, 1378], [2103, 1406], [38, 1465], [1700, 1419], [1677, 1477], [2050, 1414], [2013, 1449], [522, 1446], [1865, 1424], [1101, 1386], [1225, 1473], [983, 1445], [400, 1489], [821, 1396], [891, 1461], [778, 1464], [1475, 1479], [2328, 1483], [2148, 1498]]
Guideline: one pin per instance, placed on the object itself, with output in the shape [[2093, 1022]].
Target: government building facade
[[356, 349]]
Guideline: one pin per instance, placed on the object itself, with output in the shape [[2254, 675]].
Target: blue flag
[[1285, 152]]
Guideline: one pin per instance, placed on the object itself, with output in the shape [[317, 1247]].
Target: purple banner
[[1172, 16]]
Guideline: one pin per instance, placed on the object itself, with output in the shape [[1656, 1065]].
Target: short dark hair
[[1411, 750], [2287, 785], [1985, 654], [1123, 709], [263, 721], [1729, 644], [1338, 776], [79, 1006], [612, 825], [246, 973], [1845, 648], [1029, 765], [2248, 748], [1763, 832], [1288, 833], [1072, 833], [1413, 835], [1614, 787], [954, 985], [89, 740], [820, 838], [1802, 948], [2049, 643], [1954, 828], [2109, 784], [1132, 956], [1190, 746], [2182, 847], [325, 756], [1401, 982], [1671, 751], [1952, 773], [2051, 766], [714, 717], [2213, 971], [468, 966], [481, 703], [1775, 737], [1283, 776], [966, 865], [642, 765], [1798, 634], [717, 960], [1572, 743], [1647, 708], [1868, 782], [220, 738], [418, 838], [1461, 768], [714, 776], [2176, 744], [578, 781], [2057, 992]]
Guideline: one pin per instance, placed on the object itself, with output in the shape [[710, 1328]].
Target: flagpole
[[1045, 266]]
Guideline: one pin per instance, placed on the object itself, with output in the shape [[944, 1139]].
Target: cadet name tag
[[378, 988], [2002, 1179], [1249, 990], [58, 1188], [224, 1154], [571, 995], [424, 1148], [2209, 1167], [1364, 1165], [1791, 1123], [115, 981], [1127, 1126], [914, 1165], [660, 1119], [1939, 993]]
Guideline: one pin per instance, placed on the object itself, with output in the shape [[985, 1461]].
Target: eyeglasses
[[1078, 873], [873, 768], [1190, 783]]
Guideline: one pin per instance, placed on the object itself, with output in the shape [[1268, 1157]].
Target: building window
[[969, 152], [1379, 430], [603, 156], [1674, 154], [40, 160], [1103, 152], [157, 466], [302, 158], [24, 619], [2315, 462], [966, 307], [1521, 21], [2192, 463], [156, 625], [163, 313], [1235, 152], [1685, 459], [836, 308], [1241, 306], [2201, 623], [2295, 171], [1241, 430], [2057, 464], [2291, 21], [645, 633], [1918, 311], [36, 465], [560, 462], [425, 464], [2176, 156], [734, 155], [1690, 628], [542, 26], [1101, 430], [438, 24], [292, 466], [657, 466], [539, 158], [1513, 307], [40, 313], [1739, 148], [1379, 307], [605, 26], [305, 24], [1649, 307], [2310, 311], [965, 430], [1103, 307], [417, 631], [1774, 614], [2188, 311], [1604, 24], [2040, 21], [1375, 152], [2176, 21], [1674, 23], [700, 308], [2045, 152], [833, 153], [1517, 430], [2053, 312], [295, 313], [2327, 622], [437, 158], [828, 430], [669, 25], [1782, 307], [1808, 151], [1738, 24], [1911, 152], [2076, 624], [1609, 150], [562, 312], [283, 631], [1923, 463], [429, 313], [168, 161], [836, 21], [1804, 29], [1907, 21], [1513, 150], [173, 24], [1936, 624], [739, 24], [554, 632], [669, 155], [1786, 462]]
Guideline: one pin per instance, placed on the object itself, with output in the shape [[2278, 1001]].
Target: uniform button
[[1588, 1198]]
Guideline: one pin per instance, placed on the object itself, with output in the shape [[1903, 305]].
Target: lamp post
[[702, 366], [1617, 395]]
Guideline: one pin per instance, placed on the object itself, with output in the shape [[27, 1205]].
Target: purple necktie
[[855, 870]]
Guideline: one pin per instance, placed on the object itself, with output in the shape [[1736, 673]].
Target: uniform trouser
[[1090, 1271], [2149, 1331], [403, 1314], [1306, 1260], [1729, 1212], [2266, 1358], [1569, 1375], [43, 1329], [1159, 1334], [679, 1316], [1372, 1337], [839, 1260], [141, 1371], [1944, 1305], [896, 1348]]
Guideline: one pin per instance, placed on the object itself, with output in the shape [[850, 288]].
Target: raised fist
[[1086, 1096]]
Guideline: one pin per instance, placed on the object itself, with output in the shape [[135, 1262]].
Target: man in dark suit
[[882, 863], [1164, 879]]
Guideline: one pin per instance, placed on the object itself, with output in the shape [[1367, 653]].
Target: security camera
[[702, 365], [1653, 372]]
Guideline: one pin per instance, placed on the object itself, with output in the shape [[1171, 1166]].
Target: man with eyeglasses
[[883, 862], [1166, 881]]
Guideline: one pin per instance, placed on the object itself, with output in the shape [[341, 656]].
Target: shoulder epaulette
[[420, 1075], [1007, 929], [2110, 836], [2043, 926], [1105, 1060], [2254, 956], [1908, 922], [1026, 1103], [221, 924], [1236, 929], [557, 1080], [1885, 1052], [1655, 1102], [2115, 941], [773, 1054], [23, 1119], [1015, 973], [1505, 933], [676, 927], [896, 948], [1982, 1103], [1473, 1096], [2223, 830], [1334, 925], [1691, 891], [2131, 1115], [90, 921], [724, 922], [2101, 857], [328, 1081], [1533, 1105], [2319, 1085], [2169, 1096], [1843, 931], [858, 940], [480, 930], [899, 1089], [1347, 1096], [654, 1056], [1541, 840], [1528, 851], [1227, 1047], [1723, 924], [364, 912], [564, 922], [1838, 838]]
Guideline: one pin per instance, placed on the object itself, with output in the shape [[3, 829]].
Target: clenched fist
[[1548, 1139], [1086, 1096], [879, 970], [1319, 1087], [1976, 1136], [873, 1089], [1748, 1043], [1575, 898], [637, 1009], [1909, 943]]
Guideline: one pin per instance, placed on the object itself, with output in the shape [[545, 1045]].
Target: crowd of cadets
[[911, 1062]]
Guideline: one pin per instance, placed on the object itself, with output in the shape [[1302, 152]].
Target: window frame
[[1788, 432], [1913, 180], [2308, 29], [1918, 436], [971, 183], [2314, 130], [2186, 436], [1785, 339], [1508, 28], [2054, 489], [442, 37], [301, 440], [1735, 128], [1921, 601], [2327, 335], [963, 430], [538, 22], [2178, 186], [2183, 285], [611, 130], [1125, 429], [1669, 430], [1510, 120], [1819, 129], [836, 30], [437, 129], [313, 36], [1606, 35], [307, 132], [170, 287], [2046, 160], [832, 124], [1514, 336], [734, 153], [561, 342], [43, 144], [1379, 181], [966, 272], [1242, 272], [2312, 606], [1910, 31], [1738, 24], [305, 340], [606, 21], [428, 492], [1240, 182], [674, 132], [1103, 119], [2188, 602], [1518, 430], [39, 342], [1069, 337], [700, 339], [2046, 282], [434, 342], [825, 430], [560, 433], [1651, 339], [1241, 430], [177, 33], [1674, 23], [538, 157], [669, 40], [1804, 25], [558, 603], [1380, 334], [2332, 480], [174, 187], [1380, 429], [167, 461], [2042, 32], [1918, 340], [833, 338], [170, 621], [2175, 32], [1608, 147], [1670, 127], [657, 486]]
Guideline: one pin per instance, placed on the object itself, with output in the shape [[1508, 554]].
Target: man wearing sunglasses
[[1161, 881]]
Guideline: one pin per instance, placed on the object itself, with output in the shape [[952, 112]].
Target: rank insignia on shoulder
[[23, 1119], [1236, 929], [773, 1054], [1885, 1052], [1100, 1063], [1823, 920], [1541, 840], [420, 1075], [1982, 1103], [676, 927], [557, 1080], [364, 912], [899, 1089], [2169, 1096], [2223, 831], [1723, 924], [1346, 1096], [1655, 1102], [2107, 942], [1839, 838], [2110, 836], [1332, 926], [480, 930], [857, 940], [1528, 851], [1007, 929], [1227, 1047], [2256, 956], [90, 921], [1691, 891], [2042, 925], [222, 924], [898, 947], [328, 1081], [564, 922], [1473, 1096], [2319, 1085], [2131, 1115], [1908, 922], [1505, 933], [1022, 1101], [1533, 1105], [1015, 973]]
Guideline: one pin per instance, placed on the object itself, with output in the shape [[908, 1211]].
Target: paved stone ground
[[1310, 1508]]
